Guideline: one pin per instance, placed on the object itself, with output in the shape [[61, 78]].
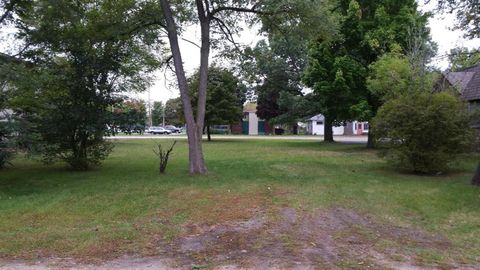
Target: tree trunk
[[194, 130], [371, 140], [476, 177], [328, 130], [295, 129], [208, 133]]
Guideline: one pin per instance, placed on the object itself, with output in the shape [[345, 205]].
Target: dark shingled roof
[[467, 81], [472, 91]]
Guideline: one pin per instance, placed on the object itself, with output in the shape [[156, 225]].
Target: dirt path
[[286, 238]]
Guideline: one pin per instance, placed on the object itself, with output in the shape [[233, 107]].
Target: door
[[261, 127]]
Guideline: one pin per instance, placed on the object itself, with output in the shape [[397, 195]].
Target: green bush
[[6, 146], [423, 132]]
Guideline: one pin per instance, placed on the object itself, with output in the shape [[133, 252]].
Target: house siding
[[252, 124]]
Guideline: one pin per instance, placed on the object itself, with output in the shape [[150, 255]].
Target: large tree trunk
[[194, 129], [371, 140], [328, 130], [476, 177]]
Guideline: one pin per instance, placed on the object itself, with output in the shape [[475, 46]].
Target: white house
[[251, 124], [316, 126], [356, 128]]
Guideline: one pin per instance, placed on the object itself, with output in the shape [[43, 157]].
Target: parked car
[[220, 129], [173, 129], [158, 130]]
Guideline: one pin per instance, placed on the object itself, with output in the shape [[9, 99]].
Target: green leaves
[[82, 55], [423, 132], [225, 96], [467, 15], [390, 76]]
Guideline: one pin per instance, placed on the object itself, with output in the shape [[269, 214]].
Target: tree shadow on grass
[[41, 179]]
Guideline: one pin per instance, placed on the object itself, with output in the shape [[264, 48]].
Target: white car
[[158, 130]]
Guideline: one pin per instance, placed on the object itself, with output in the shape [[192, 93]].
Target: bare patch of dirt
[[286, 238], [293, 239]]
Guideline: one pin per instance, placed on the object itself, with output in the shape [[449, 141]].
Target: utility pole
[[150, 122], [163, 115]]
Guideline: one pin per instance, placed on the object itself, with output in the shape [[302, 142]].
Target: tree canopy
[[467, 13], [338, 67], [82, 55], [225, 97], [461, 58]]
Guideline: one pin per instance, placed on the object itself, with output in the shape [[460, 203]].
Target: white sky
[[446, 38], [161, 89]]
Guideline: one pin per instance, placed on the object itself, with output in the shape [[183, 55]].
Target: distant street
[[343, 139]]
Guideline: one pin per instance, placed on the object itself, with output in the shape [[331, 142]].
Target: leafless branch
[[191, 42], [226, 31]]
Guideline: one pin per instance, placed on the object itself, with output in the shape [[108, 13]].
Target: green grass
[[122, 206]]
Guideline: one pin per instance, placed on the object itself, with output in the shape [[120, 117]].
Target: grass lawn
[[126, 207]]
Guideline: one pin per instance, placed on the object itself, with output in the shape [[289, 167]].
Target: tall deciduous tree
[[212, 17], [174, 112], [225, 97], [83, 53], [336, 79], [273, 75], [158, 113], [467, 13], [130, 116], [275, 65], [368, 29]]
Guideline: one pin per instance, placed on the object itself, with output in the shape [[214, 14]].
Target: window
[[319, 123], [365, 126]]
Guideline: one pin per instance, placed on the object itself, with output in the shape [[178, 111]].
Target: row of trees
[[128, 116], [336, 62], [171, 112], [78, 57], [376, 58], [224, 105]]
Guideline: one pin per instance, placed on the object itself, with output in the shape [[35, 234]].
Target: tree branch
[[191, 42], [253, 9], [226, 31], [8, 9]]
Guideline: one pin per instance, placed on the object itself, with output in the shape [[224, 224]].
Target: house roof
[[459, 79], [467, 81], [250, 107], [318, 117]]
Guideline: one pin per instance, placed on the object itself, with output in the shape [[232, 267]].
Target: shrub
[[6, 145], [423, 132], [163, 156]]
